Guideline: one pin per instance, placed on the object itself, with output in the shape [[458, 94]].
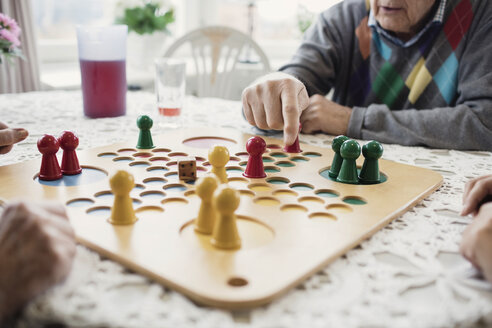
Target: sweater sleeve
[[466, 125], [317, 61]]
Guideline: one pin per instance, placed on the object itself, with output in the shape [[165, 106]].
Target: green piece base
[[326, 174]]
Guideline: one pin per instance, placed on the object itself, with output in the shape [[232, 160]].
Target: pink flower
[[7, 23], [9, 36]]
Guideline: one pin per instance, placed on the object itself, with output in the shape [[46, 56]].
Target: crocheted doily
[[409, 274]]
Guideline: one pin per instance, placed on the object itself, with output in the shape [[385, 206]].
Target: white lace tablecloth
[[409, 274]]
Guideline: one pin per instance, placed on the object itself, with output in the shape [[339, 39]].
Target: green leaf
[[146, 19]]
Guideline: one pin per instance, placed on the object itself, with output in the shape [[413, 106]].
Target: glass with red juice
[[170, 85], [102, 56]]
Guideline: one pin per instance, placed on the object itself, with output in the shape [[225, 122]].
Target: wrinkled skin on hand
[[276, 102], [37, 246], [476, 245], [9, 137], [324, 115]]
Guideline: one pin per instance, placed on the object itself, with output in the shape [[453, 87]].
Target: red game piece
[[294, 148], [70, 163], [48, 145], [255, 147]]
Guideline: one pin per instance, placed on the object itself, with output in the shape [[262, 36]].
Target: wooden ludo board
[[292, 223]]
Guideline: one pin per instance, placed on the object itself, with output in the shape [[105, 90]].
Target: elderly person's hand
[[276, 102], [37, 246], [9, 137], [476, 245], [476, 191], [323, 115]]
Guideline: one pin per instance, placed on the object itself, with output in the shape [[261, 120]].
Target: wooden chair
[[219, 60]]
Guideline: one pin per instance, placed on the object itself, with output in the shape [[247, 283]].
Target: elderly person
[[37, 244], [412, 72]]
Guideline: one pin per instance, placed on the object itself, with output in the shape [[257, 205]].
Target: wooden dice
[[187, 169]]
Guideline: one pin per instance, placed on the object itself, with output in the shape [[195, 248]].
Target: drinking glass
[[102, 56], [170, 87]]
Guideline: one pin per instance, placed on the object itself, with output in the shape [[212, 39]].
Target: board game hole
[[201, 168], [299, 159], [190, 193], [247, 193], [200, 159], [273, 146], [268, 159], [284, 193], [80, 202], [322, 216], [234, 169], [154, 181], [206, 163], [107, 154], [234, 159], [327, 193], [253, 234], [147, 209], [277, 180], [159, 159], [243, 154], [267, 201], [301, 186], [139, 164], [177, 154], [152, 194], [161, 150], [123, 159], [157, 168], [208, 141], [237, 282], [293, 207], [174, 187], [106, 194], [271, 169], [354, 200], [127, 150], [311, 154], [173, 163], [100, 211], [237, 181], [142, 155], [311, 199], [243, 163], [342, 208], [278, 155], [259, 187], [174, 201], [88, 175], [172, 175]]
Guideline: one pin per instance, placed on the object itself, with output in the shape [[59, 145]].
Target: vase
[[143, 49]]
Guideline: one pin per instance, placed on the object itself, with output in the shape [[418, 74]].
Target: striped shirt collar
[[437, 20]]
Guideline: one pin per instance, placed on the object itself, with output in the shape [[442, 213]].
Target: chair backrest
[[221, 60]]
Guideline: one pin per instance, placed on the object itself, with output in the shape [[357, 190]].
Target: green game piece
[[349, 151], [144, 123], [337, 159], [369, 174]]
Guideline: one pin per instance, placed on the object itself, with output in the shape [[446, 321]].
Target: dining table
[[408, 274]]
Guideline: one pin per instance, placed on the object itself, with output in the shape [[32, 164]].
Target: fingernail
[[21, 133]]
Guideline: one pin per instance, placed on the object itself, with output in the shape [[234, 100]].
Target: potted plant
[[147, 22]]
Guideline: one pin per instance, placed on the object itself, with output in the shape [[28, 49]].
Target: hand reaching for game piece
[[326, 116], [37, 246], [9, 137], [276, 102], [476, 190], [476, 245]]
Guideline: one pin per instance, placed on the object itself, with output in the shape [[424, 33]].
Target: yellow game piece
[[225, 235], [122, 211], [218, 156], [207, 214]]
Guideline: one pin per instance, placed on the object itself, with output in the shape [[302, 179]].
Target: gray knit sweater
[[434, 90]]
